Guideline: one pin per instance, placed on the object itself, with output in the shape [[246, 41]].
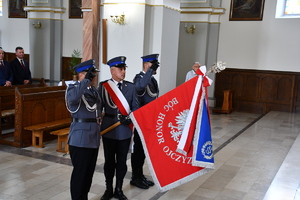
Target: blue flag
[[203, 152]]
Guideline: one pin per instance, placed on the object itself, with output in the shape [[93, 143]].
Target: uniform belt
[[84, 120], [109, 115]]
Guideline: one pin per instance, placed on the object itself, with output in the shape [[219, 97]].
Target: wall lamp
[[118, 19], [190, 30], [38, 25]]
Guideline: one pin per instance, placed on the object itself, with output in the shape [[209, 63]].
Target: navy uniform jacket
[[146, 87], [83, 134], [19, 74], [121, 132], [5, 74]]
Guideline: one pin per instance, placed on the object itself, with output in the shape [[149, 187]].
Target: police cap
[[149, 58], [117, 62], [85, 66]]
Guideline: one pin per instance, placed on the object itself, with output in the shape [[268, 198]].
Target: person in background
[[192, 73], [6, 76], [147, 91], [119, 99], [20, 68], [84, 104]]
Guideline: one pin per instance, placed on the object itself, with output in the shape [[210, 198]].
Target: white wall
[[124, 40], [270, 44], [147, 30], [13, 31], [72, 33], [169, 50]]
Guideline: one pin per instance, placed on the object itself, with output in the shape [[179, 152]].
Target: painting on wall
[[16, 9], [75, 9], [39, 1], [193, 1], [246, 10]]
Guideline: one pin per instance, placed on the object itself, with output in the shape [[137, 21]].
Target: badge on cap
[[117, 61], [85, 66], [149, 58]]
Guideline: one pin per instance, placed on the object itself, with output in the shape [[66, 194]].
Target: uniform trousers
[[115, 154], [138, 155], [84, 163]]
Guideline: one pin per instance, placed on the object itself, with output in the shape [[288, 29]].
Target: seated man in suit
[[6, 76], [20, 69]]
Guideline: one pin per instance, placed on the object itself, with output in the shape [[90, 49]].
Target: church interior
[[254, 102]]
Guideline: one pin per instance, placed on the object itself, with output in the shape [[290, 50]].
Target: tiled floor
[[256, 157]]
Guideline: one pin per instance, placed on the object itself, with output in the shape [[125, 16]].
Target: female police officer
[[84, 104]]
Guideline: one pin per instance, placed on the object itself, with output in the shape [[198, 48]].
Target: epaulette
[[103, 82], [71, 84], [127, 82]]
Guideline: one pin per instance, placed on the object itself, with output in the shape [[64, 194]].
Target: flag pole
[[110, 128]]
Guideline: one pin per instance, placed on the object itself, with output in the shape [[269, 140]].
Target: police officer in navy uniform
[[147, 90], [84, 103], [116, 142]]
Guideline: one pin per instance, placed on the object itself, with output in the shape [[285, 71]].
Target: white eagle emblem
[[176, 131]]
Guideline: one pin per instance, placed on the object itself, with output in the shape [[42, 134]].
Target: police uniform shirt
[[146, 87], [111, 111], [83, 134]]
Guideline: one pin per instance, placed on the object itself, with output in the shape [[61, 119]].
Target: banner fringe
[[184, 180], [203, 164], [197, 136], [198, 126]]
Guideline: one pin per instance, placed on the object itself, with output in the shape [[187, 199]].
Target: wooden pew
[[7, 98], [42, 83], [62, 139], [39, 129], [8, 94], [39, 108]]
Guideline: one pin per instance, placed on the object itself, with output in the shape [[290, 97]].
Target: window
[[292, 7], [0, 7], [288, 9]]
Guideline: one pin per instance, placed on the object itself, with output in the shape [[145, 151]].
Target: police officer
[[84, 103], [116, 142], [147, 90]]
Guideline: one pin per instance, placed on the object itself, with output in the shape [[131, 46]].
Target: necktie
[[2, 64], [120, 86], [22, 63]]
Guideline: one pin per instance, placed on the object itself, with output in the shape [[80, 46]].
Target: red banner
[[160, 124]]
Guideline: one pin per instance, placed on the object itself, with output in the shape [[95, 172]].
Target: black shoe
[[119, 194], [146, 181], [3, 120], [108, 194], [138, 182]]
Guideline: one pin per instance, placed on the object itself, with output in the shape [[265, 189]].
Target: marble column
[[45, 38], [91, 20], [202, 43]]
